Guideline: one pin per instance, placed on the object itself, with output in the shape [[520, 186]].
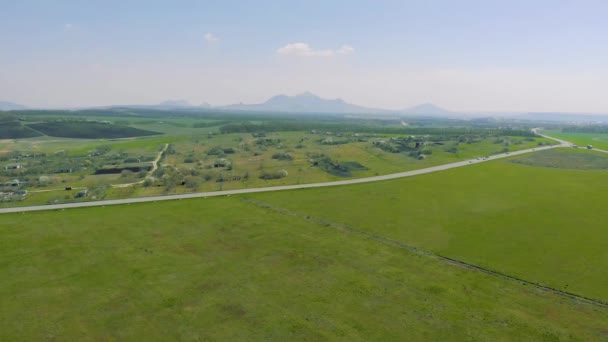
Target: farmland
[[228, 269], [88, 130], [566, 159], [597, 140], [543, 224]]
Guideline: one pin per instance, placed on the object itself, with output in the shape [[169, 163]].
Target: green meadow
[[541, 224], [597, 140], [292, 265]]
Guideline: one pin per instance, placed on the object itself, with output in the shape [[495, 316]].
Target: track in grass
[[394, 243]]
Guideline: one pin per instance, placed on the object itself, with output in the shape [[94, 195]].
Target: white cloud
[[211, 38], [345, 50], [304, 50]]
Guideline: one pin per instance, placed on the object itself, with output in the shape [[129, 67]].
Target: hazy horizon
[[470, 56]]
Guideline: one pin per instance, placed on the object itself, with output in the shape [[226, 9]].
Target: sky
[[507, 56]]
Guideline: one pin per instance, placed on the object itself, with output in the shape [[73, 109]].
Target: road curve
[[281, 188]]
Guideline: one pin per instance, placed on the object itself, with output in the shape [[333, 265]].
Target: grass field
[[597, 140], [578, 159], [222, 269], [541, 224], [228, 269]]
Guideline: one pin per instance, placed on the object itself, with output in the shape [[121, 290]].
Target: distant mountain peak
[[305, 102], [427, 109], [175, 103], [306, 94]]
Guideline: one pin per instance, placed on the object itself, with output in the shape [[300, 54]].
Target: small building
[[63, 171], [82, 193], [12, 167]]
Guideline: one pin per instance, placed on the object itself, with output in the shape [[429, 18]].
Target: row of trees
[[277, 126], [586, 129]]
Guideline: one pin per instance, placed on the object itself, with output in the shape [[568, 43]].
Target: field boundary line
[[417, 250]]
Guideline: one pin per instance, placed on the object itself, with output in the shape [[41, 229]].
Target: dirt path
[[154, 168]]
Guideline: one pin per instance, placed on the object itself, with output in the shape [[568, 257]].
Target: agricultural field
[[300, 265], [88, 130], [578, 159], [15, 130], [543, 224]]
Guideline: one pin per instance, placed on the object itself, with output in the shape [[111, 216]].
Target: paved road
[[566, 143], [284, 187]]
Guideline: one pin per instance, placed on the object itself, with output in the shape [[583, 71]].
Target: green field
[[88, 130], [541, 224], [597, 140], [578, 159], [292, 265], [15, 130]]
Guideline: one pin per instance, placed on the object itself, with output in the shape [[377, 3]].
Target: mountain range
[[306, 102], [4, 105]]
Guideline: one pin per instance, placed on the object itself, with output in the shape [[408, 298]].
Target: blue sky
[[463, 55]]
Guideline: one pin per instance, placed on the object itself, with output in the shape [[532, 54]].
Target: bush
[[192, 182], [216, 151], [452, 149], [273, 175], [282, 156]]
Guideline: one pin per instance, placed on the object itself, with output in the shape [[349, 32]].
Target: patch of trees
[[332, 141], [279, 126], [340, 169], [452, 149], [400, 144], [268, 142], [209, 124], [282, 156], [273, 175], [221, 151], [586, 129], [88, 130], [119, 169]]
